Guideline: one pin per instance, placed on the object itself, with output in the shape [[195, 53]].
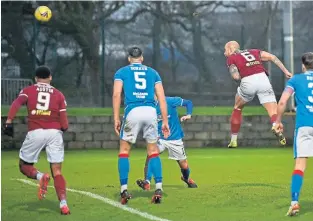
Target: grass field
[[234, 185], [80, 111]]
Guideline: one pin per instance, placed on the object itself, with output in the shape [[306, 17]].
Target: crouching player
[[302, 86], [46, 120], [173, 143]]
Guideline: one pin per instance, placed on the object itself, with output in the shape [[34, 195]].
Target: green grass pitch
[[234, 185], [214, 110]]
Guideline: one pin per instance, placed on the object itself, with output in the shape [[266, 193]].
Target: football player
[[47, 120], [140, 83], [247, 67], [173, 143], [302, 86]]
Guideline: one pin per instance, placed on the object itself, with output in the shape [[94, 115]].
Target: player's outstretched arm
[[16, 105], [159, 91], [265, 56], [116, 100], [189, 108]]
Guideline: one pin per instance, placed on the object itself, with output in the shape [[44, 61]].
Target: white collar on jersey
[[44, 84]]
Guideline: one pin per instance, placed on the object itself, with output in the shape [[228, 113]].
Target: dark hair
[[43, 72], [135, 52], [307, 60]]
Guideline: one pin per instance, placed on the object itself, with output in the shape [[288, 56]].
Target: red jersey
[[45, 105], [248, 62]]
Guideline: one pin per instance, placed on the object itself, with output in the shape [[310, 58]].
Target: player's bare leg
[[296, 184], [123, 168], [183, 164], [30, 171], [60, 187], [155, 168], [235, 120], [271, 109]]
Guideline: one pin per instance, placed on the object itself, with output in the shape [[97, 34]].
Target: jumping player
[[174, 142], [246, 65], [140, 83], [302, 86], [47, 119]]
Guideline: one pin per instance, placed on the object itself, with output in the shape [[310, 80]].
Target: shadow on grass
[[42, 207], [306, 207]]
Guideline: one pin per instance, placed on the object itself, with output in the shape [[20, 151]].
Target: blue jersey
[[302, 85], [138, 85], [173, 118]]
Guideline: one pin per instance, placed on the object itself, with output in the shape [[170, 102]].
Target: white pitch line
[[105, 200]]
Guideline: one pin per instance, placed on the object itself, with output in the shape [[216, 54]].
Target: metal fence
[[10, 88], [86, 42]]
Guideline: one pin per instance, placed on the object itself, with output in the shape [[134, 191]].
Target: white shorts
[[140, 118], [303, 142], [176, 149], [257, 84], [36, 140]]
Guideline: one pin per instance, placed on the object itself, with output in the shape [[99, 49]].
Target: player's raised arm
[[116, 99], [178, 101], [189, 108], [159, 91], [265, 56]]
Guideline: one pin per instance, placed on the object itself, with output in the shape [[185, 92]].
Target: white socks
[[63, 203], [123, 187], [39, 175], [234, 137], [294, 202], [158, 186]]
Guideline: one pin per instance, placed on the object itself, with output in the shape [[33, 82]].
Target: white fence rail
[[10, 88]]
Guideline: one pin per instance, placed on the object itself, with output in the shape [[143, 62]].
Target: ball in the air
[[43, 14]]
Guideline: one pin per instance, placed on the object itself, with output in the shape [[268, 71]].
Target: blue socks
[[296, 184], [155, 169], [185, 173], [123, 169]]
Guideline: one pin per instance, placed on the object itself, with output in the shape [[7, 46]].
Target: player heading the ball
[[247, 67], [139, 83]]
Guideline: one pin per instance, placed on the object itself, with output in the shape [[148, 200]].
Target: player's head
[[43, 74], [135, 55], [231, 47], [307, 61]]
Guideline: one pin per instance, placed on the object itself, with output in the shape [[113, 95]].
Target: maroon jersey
[[248, 62], [45, 105]]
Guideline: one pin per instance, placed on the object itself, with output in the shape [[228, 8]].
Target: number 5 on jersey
[[140, 80], [310, 98]]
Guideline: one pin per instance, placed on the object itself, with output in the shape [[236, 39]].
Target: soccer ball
[[43, 14]]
